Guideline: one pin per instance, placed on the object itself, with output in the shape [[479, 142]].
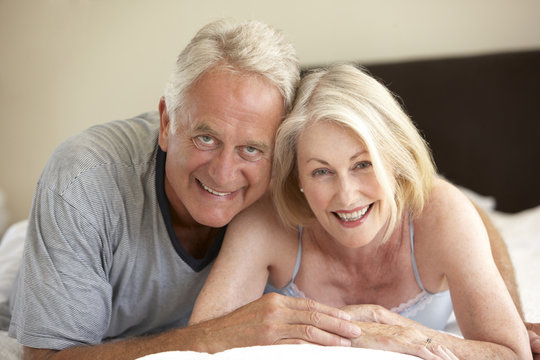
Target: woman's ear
[[164, 125]]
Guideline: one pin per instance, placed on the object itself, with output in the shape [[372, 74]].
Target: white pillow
[[486, 203], [283, 352], [11, 248]]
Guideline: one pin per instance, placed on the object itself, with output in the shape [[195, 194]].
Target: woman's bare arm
[[453, 241]]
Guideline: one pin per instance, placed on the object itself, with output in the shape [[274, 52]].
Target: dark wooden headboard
[[481, 117]]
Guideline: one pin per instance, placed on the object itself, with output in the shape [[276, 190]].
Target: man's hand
[[278, 319], [534, 337]]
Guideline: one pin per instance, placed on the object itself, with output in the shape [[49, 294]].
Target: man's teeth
[[212, 191], [355, 215]]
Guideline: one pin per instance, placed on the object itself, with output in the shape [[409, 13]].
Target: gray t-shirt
[[101, 260]]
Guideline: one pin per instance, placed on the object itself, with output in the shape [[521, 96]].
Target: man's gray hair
[[248, 47]]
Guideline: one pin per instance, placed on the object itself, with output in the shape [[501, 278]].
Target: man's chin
[[211, 219]]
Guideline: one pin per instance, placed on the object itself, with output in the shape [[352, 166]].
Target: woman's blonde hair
[[348, 96]]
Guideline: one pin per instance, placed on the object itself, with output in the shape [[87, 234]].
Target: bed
[[481, 116]]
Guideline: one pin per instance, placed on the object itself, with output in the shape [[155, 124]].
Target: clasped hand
[[276, 319]]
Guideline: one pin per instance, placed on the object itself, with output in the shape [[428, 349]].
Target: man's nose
[[224, 166]]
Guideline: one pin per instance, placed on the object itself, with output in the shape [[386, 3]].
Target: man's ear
[[164, 124]]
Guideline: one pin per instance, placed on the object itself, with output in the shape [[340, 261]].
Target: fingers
[[302, 334], [312, 322], [313, 306], [322, 328], [535, 341]]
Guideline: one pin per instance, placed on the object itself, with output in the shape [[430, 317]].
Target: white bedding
[[521, 232], [283, 352]]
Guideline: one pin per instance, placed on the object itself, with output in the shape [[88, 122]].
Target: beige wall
[[68, 64]]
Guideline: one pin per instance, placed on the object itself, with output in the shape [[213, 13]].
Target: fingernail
[[346, 342], [345, 316], [356, 330]]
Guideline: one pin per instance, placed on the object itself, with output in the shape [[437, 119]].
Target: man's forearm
[[188, 338]]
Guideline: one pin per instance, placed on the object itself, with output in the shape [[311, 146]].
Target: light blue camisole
[[430, 309]]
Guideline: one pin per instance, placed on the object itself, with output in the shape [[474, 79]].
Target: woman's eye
[[251, 153], [320, 172], [363, 165]]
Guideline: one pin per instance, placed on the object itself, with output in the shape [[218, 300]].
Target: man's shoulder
[[113, 145]]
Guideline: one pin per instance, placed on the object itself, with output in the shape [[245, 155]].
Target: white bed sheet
[[283, 352]]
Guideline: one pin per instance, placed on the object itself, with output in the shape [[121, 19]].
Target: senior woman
[[359, 216]]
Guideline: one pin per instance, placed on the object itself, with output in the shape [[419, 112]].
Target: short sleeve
[[64, 271]]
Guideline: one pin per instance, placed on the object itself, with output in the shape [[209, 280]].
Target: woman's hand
[[376, 314], [402, 339], [383, 329]]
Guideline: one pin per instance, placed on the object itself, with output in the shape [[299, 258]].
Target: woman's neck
[[376, 252], [355, 275]]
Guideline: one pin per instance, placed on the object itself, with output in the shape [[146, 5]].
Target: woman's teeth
[[353, 216]]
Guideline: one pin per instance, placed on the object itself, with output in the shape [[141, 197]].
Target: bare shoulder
[[446, 206], [258, 234], [448, 228], [260, 214], [258, 224]]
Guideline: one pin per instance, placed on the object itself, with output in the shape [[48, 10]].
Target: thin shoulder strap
[[413, 259], [299, 254]]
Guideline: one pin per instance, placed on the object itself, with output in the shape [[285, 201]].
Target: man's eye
[[204, 142], [206, 139], [250, 153]]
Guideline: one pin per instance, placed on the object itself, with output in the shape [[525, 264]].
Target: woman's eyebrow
[[361, 152]]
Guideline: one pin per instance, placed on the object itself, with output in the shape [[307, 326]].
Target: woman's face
[[337, 177]]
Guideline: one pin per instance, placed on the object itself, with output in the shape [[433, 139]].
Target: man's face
[[219, 159]]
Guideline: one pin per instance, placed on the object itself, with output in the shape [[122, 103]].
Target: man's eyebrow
[[204, 128]]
